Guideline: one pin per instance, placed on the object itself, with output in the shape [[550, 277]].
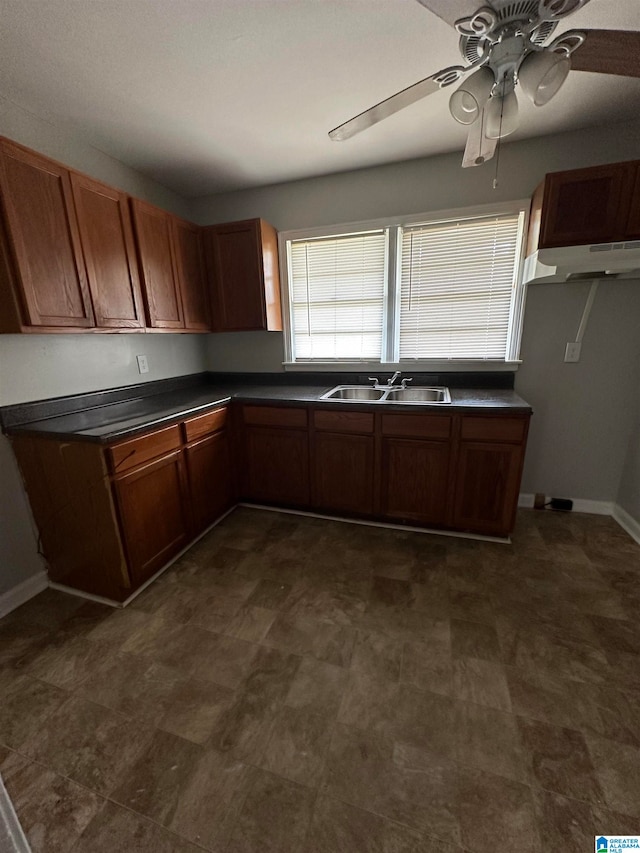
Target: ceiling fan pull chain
[[499, 144]]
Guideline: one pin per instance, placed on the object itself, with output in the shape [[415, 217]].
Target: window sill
[[434, 366]]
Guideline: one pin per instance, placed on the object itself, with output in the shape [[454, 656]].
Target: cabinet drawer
[[129, 454], [274, 416], [343, 421], [203, 425], [417, 426], [493, 429]]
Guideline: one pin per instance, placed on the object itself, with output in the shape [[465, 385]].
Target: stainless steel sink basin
[[367, 394], [354, 392], [418, 395]]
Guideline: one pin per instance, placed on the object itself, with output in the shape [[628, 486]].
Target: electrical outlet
[[143, 364], [572, 352]]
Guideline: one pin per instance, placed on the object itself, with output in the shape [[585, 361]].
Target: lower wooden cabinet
[[275, 466], [111, 516], [210, 479], [154, 514], [343, 472], [487, 486], [415, 480]]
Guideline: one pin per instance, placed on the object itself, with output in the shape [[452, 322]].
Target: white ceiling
[[211, 95]]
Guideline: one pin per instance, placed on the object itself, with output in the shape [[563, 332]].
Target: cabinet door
[[109, 253], [632, 231], [157, 266], [487, 485], [276, 466], [415, 480], [187, 240], [236, 256], [44, 234], [153, 503], [343, 468], [210, 483], [585, 206]]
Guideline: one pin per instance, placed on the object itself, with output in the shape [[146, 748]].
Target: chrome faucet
[[405, 382], [391, 382]]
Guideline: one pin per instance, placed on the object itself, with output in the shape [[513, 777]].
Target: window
[[440, 290]]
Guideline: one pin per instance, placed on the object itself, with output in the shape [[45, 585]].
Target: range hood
[[583, 263]]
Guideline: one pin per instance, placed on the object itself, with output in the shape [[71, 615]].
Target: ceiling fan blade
[[451, 11], [479, 149], [397, 102], [609, 52]]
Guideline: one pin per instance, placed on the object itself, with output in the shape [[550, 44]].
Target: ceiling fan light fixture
[[467, 102], [542, 73], [501, 116]]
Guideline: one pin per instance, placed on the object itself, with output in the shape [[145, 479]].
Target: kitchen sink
[[418, 395], [394, 394], [354, 392]]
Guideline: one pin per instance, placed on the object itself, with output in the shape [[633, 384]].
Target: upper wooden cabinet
[[243, 263], [109, 253], [154, 229], [44, 281], [585, 206], [172, 269], [190, 268]]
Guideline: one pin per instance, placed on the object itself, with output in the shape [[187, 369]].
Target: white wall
[[629, 493], [39, 366], [583, 414]]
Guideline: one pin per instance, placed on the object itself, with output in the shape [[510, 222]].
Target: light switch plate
[[143, 364], [572, 352]]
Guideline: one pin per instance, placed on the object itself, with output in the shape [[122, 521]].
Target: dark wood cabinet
[[488, 472], [344, 472], [109, 253], [242, 258], [633, 222], [44, 280], [190, 268], [274, 456], [275, 466], [582, 206], [415, 480], [153, 502], [158, 270], [210, 479]]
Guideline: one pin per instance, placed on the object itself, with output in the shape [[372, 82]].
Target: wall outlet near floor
[[572, 352], [143, 364]]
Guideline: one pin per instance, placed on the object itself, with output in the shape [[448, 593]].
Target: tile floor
[[294, 684]]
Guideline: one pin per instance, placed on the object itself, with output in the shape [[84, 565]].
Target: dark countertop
[[98, 417]]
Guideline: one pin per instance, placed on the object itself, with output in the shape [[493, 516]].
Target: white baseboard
[[627, 522], [579, 505], [432, 531], [22, 592]]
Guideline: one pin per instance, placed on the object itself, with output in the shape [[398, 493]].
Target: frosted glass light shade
[[542, 74], [466, 103], [508, 108]]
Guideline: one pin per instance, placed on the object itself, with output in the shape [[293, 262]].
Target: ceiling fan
[[505, 45]]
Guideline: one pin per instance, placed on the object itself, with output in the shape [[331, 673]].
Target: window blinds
[[457, 285], [337, 290]]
